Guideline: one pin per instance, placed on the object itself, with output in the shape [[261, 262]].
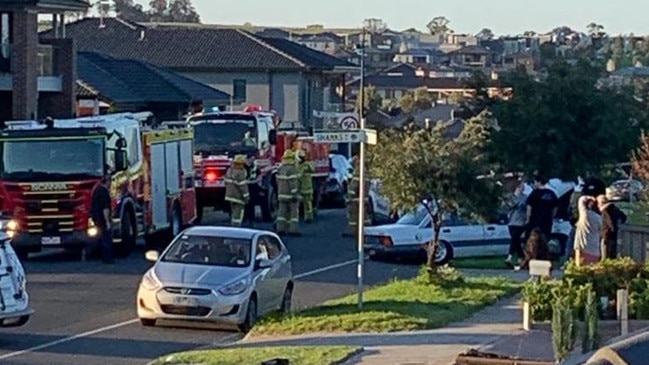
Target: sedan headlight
[[235, 288], [150, 282]]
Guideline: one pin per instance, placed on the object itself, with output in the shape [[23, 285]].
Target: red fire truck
[[254, 132], [51, 169]]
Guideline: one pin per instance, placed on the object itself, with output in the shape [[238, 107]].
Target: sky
[[466, 16]]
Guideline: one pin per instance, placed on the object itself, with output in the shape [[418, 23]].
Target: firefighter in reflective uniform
[[353, 192], [306, 170], [254, 188], [236, 189], [288, 195]]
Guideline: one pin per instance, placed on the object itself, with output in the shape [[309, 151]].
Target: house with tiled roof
[[105, 83], [275, 73], [36, 76]]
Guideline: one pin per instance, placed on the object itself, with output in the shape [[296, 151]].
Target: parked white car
[[14, 300], [224, 275], [458, 238]]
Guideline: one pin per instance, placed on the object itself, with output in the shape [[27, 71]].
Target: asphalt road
[[85, 311]]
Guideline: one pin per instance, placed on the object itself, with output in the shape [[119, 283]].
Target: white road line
[[323, 269], [126, 323], [67, 339]]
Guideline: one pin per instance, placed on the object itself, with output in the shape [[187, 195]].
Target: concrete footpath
[[439, 347]]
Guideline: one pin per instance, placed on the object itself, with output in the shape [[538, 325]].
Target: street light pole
[[361, 176]]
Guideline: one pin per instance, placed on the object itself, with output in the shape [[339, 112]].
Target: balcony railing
[[45, 63]]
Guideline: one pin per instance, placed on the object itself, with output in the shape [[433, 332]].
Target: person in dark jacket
[[536, 248], [612, 217], [101, 215], [254, 188]]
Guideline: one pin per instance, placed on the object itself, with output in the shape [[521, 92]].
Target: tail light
[[385, 241], [211, 176]]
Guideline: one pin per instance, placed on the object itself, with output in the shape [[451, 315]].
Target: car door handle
[[446, 230], [491, 228]]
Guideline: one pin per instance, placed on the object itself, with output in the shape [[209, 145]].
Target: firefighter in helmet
[[353, 192], [288, 194], [305, 168], [236, 189]]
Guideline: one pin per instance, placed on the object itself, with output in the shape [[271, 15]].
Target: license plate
[[188, 301], [51, 240], [215, 184]]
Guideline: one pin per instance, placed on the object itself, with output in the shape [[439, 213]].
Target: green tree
[[372, 100], [418, 99], [182, 11], [158, 10], [131, 11], [439, 25], [430, 163], [565, 124]]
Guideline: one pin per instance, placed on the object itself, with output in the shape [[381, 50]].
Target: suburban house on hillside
[[442, 83], [37, 78], [108, 84], [275, 73]]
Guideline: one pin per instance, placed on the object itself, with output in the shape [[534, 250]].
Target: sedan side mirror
[[152, 255], [262, 264]]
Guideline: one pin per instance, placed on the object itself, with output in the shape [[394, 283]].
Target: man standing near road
[[254, 189], [288, 195], [541, 207], [612, 217], [236, 189], [101, 215]]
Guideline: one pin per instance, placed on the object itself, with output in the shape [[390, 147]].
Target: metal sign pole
[[361, 176]]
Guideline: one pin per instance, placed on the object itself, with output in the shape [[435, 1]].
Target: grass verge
[[485, 263], [403, 305], [305, 355]]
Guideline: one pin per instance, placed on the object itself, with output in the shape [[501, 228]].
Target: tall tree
[[372, 100], [439, 25], [431, 164], [565, 125], [131, 11], [596, 30], [485, 34], [182, 11], [158, 10], [375, 25]]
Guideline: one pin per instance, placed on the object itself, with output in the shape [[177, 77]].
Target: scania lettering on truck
[[14, 301], [50, 170]]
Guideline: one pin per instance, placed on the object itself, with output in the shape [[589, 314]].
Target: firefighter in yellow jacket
[[236, 189], [288, 195], [353, 192], [306, 170]]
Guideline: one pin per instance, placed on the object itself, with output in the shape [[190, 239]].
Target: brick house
[[37, 78], [275, 73]]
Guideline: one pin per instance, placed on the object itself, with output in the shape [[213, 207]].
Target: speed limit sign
[[349, 122]]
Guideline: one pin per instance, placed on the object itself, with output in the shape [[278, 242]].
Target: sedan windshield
[[37, 159], [414, 218], [210, 250]]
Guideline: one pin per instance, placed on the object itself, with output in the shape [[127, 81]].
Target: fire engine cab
[[50, 170], [219, 136]]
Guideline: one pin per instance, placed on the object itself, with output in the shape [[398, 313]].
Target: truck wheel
[[128, 235], [199, 213], [269, 210], [176, 224]]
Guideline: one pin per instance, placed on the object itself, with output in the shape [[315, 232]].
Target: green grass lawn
[[490, 263], [403, 305], [303, 355], [636, 212]]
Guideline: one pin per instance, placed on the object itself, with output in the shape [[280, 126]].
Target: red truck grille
[[50, 213]]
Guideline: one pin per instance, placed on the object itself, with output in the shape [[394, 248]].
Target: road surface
[[85, 311]]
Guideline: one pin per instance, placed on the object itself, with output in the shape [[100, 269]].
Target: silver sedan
[[225, 275]]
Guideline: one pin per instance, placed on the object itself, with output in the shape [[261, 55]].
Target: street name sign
[[343, 136]]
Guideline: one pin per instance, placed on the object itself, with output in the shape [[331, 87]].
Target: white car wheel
[[444, 253]]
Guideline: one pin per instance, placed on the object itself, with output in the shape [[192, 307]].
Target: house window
[[239, 90]]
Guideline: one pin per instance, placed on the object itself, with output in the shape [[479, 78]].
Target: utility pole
[[361, 176]]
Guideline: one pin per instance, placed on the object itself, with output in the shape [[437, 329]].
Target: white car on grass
[[458, 238], [228, 276]]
